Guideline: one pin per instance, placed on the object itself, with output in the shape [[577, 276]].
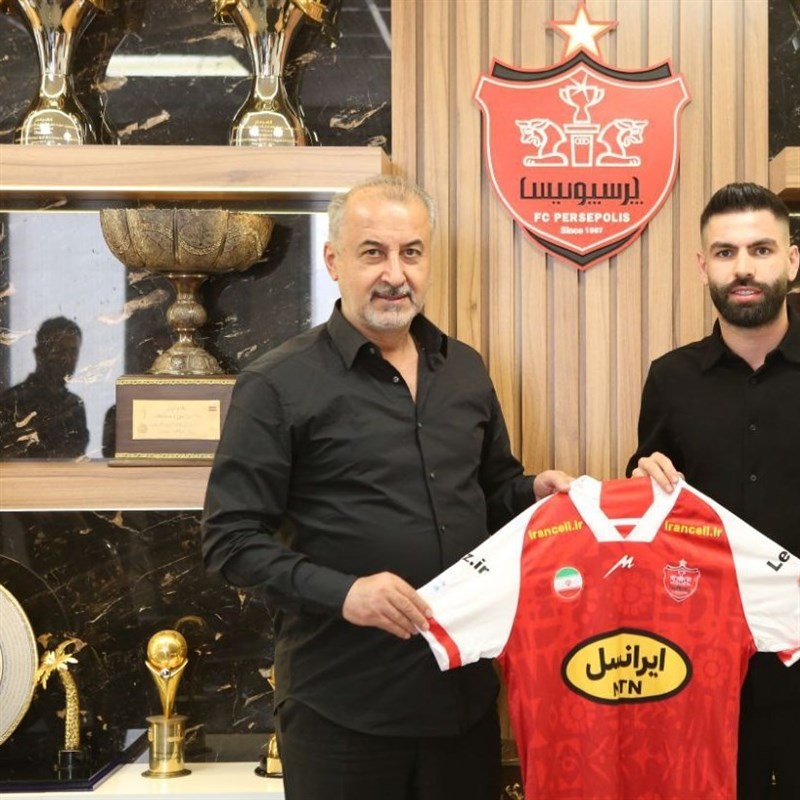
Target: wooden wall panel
[[536, 273], [568, 351]]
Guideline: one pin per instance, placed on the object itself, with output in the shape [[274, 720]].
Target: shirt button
[[443, 528], [372, 351], [753, 478], [432, 476], [395, 379], [419, 424], [752, 426], [753, 381]]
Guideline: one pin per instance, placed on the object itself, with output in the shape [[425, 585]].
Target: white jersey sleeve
[[475, 600], [768, 577]]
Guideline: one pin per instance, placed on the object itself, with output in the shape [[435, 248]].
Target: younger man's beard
[[750, 315]]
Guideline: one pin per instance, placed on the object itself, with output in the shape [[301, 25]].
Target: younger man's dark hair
[[744, 197]]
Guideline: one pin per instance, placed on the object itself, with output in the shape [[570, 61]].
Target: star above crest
[[581, 33]]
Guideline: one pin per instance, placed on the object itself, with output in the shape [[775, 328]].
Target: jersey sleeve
[[475, 600], [768, 576]]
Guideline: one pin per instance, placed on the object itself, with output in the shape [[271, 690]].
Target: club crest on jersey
[[567, 583], [681, 582], [581, 154]]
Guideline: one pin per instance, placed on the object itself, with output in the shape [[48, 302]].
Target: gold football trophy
[[175, 411], [55, 115], [166, 660], [268, 118]]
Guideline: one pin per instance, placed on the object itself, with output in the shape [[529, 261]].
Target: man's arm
[[245, 504]]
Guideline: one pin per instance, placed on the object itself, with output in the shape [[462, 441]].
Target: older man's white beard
[[394, 318]]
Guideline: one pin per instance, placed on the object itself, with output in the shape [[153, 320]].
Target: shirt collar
[[789, 346], [349, 342]]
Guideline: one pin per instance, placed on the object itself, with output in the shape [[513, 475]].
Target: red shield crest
[[681, 582], [582, 155]]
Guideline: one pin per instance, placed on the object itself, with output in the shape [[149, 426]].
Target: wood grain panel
[[468, 200], [535, 276], [694, 180], [97, 486], [660, 254], [627, 286], [434, 158], [569, 351], [405, 87], [754, 111], [596, 346], [96, 172], [503, 262]]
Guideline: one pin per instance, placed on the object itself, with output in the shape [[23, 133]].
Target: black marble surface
[[784, 75], [344, 90], [114, 579]]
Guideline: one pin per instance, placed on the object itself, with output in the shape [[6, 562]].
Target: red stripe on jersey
[[786, 656], [450, 647]]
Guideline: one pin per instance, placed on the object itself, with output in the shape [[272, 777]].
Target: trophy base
[[167, 738], [267, 769], [149, 773], [167, 419], [71, 764]]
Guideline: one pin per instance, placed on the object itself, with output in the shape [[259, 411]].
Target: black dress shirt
[[735, 435], [328, 470]]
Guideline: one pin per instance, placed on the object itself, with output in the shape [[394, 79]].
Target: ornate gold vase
[[175, 411], [268, 118], [186, 245], [55, 115]]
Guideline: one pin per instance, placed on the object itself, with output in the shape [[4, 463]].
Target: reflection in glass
[[40, 417], [57, 264]]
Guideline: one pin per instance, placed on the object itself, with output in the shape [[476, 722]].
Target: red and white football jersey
[[623, 618]]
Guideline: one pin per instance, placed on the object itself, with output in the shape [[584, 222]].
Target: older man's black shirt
[[735, 434], [328, 470]]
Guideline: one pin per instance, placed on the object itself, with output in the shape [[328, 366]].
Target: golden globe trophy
[[166, 660], [175, 411], [268, 118], [55, 116]]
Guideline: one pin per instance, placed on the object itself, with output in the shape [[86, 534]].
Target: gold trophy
[[55, 115], [166, 660], [270, 765], [71, 757], [268, 118], [175, 411]]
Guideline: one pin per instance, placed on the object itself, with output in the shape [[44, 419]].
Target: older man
[[359, 460]]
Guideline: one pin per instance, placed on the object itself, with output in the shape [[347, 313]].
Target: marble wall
[[152, 73]]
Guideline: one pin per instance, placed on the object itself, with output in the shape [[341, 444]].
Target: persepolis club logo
[[581, 154]]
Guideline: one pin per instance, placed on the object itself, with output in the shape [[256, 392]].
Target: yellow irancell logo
[[626, 666]]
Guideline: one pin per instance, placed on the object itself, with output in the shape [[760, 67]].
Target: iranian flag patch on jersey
[[567, 583]]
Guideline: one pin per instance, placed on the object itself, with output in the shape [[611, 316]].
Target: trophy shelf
[[98, 176], [784, 174], [95, 486], [207, 781]]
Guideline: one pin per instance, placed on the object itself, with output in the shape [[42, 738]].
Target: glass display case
[[107, 556]]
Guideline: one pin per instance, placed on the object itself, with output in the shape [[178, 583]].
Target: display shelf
[[94, 176], [229, 780], [784, 174], [98, 486]]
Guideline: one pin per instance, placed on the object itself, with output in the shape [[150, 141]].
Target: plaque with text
[[164, 418]]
